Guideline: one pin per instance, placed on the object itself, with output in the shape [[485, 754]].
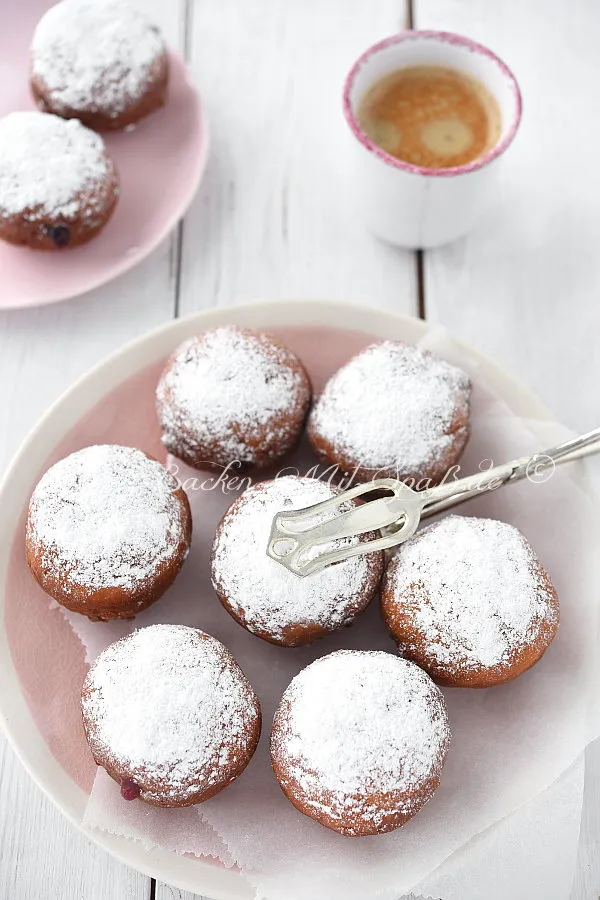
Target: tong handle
[[354, 521], [451, 494], [295, 538]]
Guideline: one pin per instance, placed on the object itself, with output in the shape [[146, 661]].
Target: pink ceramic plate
[[160, 163], [41, 661]]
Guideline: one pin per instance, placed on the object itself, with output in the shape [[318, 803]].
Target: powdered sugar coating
[[469, 595], [232, 395], [393, 409], [53, 168], [359, 740], [265, 597], [105, 517], [169, 708], [95, 55]]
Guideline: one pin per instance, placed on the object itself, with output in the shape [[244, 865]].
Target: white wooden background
[[273, 219]]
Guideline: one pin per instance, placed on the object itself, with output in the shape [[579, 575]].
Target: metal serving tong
[[296, 538]]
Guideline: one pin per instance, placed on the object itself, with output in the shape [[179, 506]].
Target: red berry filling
[[129, 789]]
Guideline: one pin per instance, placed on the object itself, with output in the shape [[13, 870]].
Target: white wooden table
[[273, 219]]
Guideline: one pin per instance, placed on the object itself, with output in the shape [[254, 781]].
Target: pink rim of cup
[[447, 38]]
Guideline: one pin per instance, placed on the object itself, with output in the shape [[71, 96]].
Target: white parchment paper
[[510, 743]]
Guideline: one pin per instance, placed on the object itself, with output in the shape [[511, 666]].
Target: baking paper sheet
[[511, 744]]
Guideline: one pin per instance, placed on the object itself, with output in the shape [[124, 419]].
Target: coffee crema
[[431, 116]]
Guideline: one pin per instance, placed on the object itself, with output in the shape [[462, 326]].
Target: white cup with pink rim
[[405, 204]]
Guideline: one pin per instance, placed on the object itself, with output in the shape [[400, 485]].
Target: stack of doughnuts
[[359, 738]]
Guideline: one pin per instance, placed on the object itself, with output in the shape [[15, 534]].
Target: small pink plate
[[160, 163]]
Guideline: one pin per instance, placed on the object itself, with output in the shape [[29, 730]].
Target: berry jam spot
[[60, 234], [129, 789]]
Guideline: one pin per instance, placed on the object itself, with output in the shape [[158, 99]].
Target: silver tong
[[295, 537]]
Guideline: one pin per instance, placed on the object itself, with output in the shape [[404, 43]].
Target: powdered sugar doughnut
[[107, 531], [232, 396], [359, 741], [468, 600], [104, 63], [392, 411], [170, 715], [261, 594], [58, 186]]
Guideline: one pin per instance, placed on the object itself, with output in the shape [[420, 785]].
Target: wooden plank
[[43, 855], [587, 878], [42, 351], [275, 217], [522, 287], [166, 892]]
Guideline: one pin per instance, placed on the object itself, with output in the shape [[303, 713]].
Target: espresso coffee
[[431, 116]]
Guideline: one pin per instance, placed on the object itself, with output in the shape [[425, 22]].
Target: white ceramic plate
[[186, 873]]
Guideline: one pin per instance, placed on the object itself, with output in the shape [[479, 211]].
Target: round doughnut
[[103, 63], [107, 531], [468, 600], [359, 741], [232, 396], [170, 715], [58, 186], [393, 411], [263, 596]]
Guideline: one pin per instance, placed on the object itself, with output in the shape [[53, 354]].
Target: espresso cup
[[409, 205]]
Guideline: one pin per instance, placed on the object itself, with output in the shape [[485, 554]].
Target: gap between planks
[[177, 249], [419, 254]]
